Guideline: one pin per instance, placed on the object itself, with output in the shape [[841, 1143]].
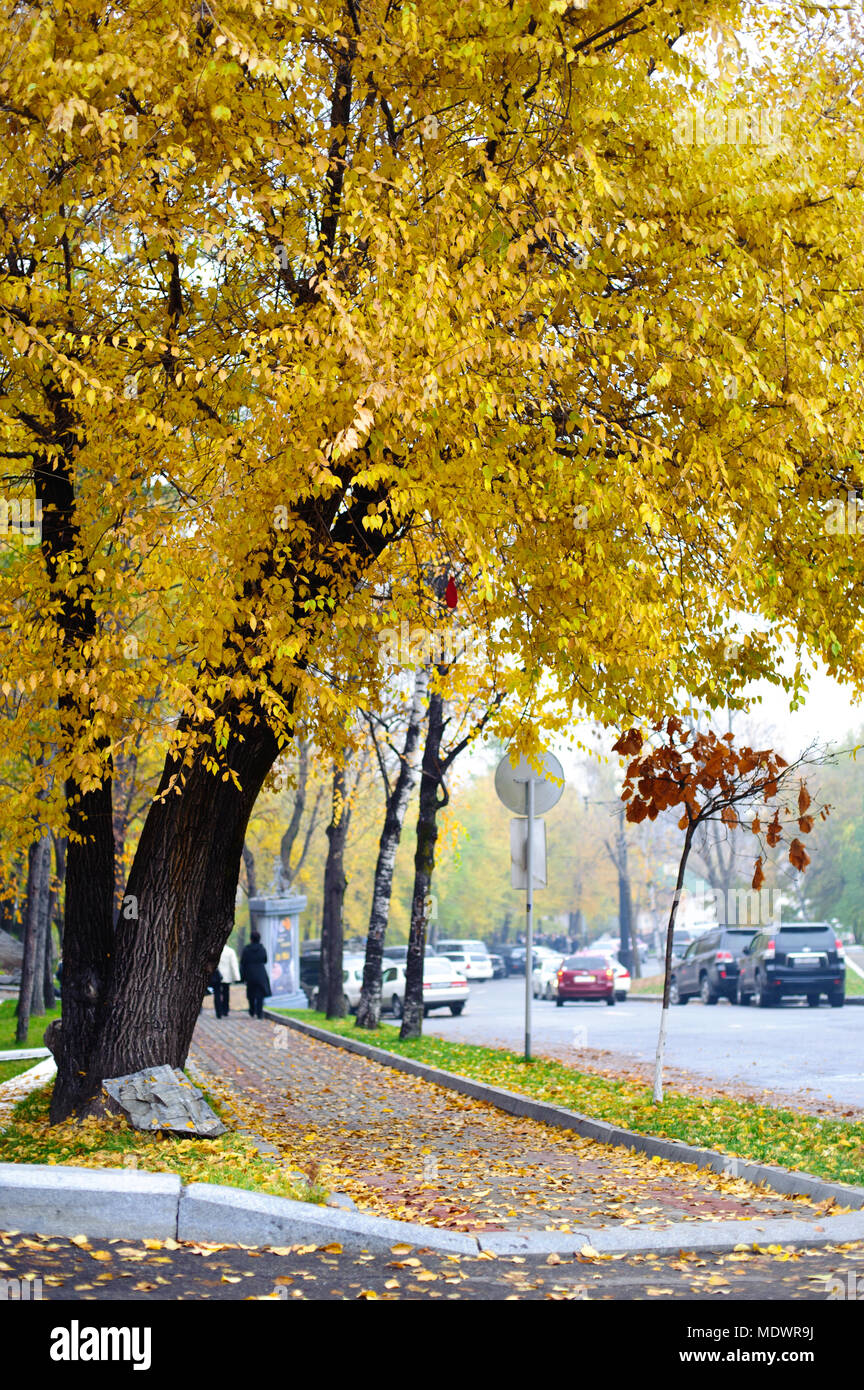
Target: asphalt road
[[129, 1271], [783, 1049]]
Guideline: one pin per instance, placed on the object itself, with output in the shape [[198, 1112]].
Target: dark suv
[[801, 959], [709, 965]]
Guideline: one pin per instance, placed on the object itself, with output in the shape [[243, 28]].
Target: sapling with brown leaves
[[707, 778]]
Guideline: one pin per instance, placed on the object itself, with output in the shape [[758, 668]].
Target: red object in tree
[[451, 593]]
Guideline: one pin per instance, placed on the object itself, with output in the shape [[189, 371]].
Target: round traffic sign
[[511, 784]]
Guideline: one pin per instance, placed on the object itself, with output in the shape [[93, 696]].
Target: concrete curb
[[57, 1201], [107, 1203], [782, 1180], [683, 1235]]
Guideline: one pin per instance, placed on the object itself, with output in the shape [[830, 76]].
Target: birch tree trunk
[[424, 865], [369, 1009]]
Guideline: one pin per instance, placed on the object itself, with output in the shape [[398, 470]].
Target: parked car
[[474, 964], [516, 961], [544, 974], [802, 959], [444, 986], [401, 952], [622, 980], [310, 967], [709, 966], [499, 968], [585, 977], [352, 980]]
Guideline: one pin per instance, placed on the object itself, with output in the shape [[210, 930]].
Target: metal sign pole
[[529, 915]]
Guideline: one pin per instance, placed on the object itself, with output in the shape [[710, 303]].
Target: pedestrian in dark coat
[[253, 973]]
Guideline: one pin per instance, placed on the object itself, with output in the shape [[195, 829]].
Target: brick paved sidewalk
[[402, 1147]]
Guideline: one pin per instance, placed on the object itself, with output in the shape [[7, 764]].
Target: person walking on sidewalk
[[229, 974], [253, 972]]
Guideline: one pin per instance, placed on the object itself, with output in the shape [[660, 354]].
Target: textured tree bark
[[88, 923], [43, 894], [331, 992], [183, 885], [424, 864], [29, 991], [369, 1009]]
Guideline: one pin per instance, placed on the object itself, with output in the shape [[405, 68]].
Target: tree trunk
[[664, 1012], [43, 894], [424, 865], [331, 990], [286, 844], [625, 901], [60, 871], [369, 1009], [37, 855], [179, 913]]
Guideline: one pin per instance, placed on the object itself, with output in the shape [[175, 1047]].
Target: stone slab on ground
[[162, 1098], [53, 1200]]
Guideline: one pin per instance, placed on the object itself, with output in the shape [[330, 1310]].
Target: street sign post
[[528, 792]]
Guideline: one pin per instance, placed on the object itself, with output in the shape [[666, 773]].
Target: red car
[[585, 977]]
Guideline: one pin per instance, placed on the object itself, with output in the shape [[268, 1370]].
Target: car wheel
[[675, 995], [837, 1001], [621, 996], [396, 1006], [346, 1003], [761, 998], [813, 1001], [611, 1000], [741, 996], [560, 1003], [706, 993], [456, 1009], [315, 1002]]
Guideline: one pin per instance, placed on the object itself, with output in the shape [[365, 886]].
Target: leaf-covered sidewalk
[[403, 1148]]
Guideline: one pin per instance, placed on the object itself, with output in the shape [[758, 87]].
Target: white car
[[444, 986], [352, 980], [622, 979], [474, 964], [546, 965]]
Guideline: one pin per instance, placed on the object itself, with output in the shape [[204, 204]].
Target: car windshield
[[738, 939], [437, 969], [790, 938], [586, 962]]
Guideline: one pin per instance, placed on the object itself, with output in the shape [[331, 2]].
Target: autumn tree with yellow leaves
[[288, 288]]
